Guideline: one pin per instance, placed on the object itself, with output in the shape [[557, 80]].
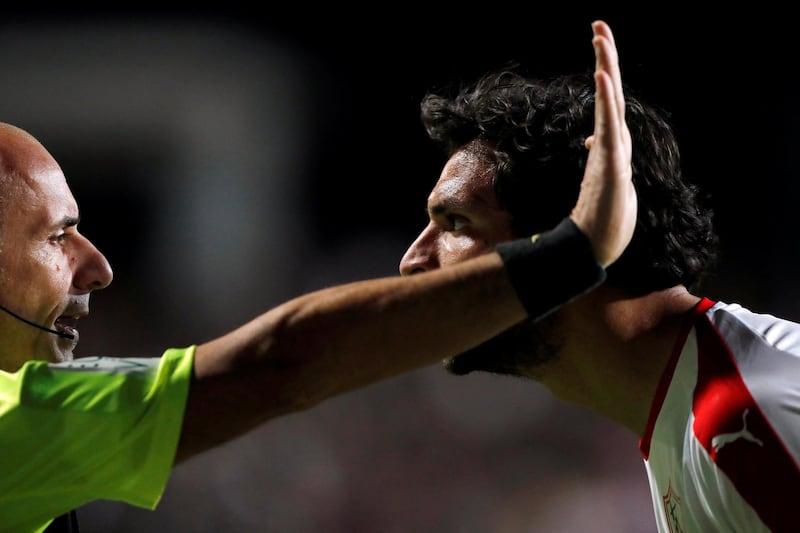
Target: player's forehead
[[467, 180]]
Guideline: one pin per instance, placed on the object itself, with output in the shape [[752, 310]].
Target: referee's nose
[[91, 269]]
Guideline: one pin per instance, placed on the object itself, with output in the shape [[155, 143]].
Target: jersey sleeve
[[88, 429]]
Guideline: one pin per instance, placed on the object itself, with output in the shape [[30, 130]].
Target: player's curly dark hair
[[538, 128]]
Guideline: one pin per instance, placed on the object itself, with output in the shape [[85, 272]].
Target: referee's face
[[47, 268]]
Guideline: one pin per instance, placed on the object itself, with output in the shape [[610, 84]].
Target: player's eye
[[456, 222]]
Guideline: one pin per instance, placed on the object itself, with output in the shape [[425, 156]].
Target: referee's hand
[[606, 206]]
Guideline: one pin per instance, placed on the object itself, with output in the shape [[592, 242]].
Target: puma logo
[[726, 438]]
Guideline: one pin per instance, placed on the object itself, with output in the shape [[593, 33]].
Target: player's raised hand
[[606, 206]]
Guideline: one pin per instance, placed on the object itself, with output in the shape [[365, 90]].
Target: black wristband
[[552, 268]]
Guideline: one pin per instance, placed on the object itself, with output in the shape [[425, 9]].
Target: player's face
[[47, 268], [466, 220]]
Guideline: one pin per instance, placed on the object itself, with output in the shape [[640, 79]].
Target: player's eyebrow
[[444, 207], [437, 209]]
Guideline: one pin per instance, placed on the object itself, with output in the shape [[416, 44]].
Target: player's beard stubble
[[518, 351]]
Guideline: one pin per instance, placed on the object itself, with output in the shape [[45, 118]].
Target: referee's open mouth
[[68, 325]]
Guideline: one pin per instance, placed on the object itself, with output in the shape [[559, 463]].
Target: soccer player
[[711, 389]]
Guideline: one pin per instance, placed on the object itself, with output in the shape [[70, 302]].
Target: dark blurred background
[[227, 160]]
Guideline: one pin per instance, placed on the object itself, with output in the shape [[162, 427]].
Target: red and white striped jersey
[[722, 444]]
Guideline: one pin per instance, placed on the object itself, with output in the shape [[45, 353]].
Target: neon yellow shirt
[[89, 429]]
